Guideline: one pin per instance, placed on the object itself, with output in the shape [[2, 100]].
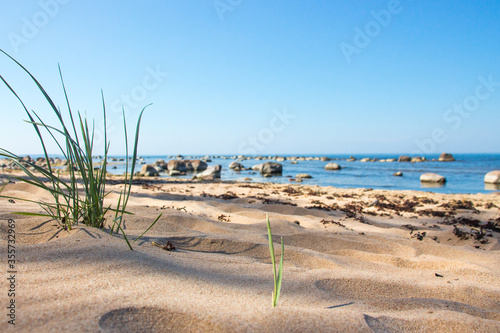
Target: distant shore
[[461, 173]]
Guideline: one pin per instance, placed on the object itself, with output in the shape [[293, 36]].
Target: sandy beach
[[340, 154], [356, 260]]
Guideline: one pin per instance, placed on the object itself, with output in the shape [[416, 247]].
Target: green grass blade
[[271, 246], [152, 224], [280, 272], [123, 232], [273, 260], [134, 157], [83, 195], [32, 214]]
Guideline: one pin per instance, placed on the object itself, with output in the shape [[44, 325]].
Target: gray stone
[[160, 165], [398, 174], [332, 166], [269, 168], [303, 175], [236, 166], [187, 165], [272, 168], [195, 165], [211, 173], [432, 178], [404, 158], [176, 165], [416, 159], [492, 177], [445, 157], [148, 170]]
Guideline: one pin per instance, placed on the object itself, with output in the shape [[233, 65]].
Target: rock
[[211, 173], [176, 165], [445, 157], [236, 166], [280, 159], [269, 168], [492, 177], [293, 162], [332, 166], [366, 159], [272, 168], [404, 158], [187, 165], [432, 178], [324, 159], [160, 165], [303, 175], [416, 159], [148, 170], [258, 167], [195, 165], [398, 174], [390, 160]]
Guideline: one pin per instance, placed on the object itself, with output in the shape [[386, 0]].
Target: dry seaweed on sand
[[225, 196]]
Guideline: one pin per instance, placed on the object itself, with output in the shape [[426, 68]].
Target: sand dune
[[349, 265]]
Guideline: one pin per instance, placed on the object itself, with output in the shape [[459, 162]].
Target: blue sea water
[[464, 175]]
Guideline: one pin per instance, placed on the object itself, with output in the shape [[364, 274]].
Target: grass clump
[[277, 275], [78, 197]]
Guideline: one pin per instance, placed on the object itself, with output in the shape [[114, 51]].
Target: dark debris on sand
[[226, 196]]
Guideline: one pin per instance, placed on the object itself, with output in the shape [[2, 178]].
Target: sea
[[464, 175]]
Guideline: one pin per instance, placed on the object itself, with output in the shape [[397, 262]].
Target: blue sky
[[262, 77]]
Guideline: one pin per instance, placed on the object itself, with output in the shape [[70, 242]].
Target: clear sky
[[261, 77]]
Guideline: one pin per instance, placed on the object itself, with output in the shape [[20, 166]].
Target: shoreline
[[465, 174]]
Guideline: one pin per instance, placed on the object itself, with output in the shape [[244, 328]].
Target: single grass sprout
[[278, 276], [80, 195]]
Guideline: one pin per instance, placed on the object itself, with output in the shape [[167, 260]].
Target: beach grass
[[277, 275], [79, 195]]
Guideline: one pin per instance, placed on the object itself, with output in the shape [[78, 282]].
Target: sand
[[356, 260]]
